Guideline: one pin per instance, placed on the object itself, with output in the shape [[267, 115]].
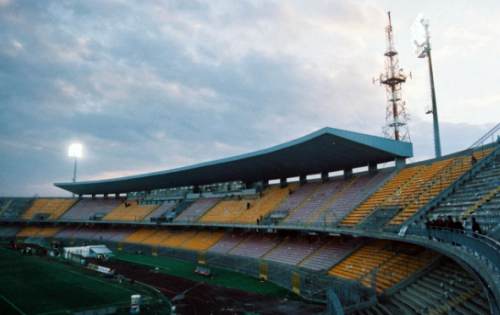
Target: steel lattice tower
[[393, 78]]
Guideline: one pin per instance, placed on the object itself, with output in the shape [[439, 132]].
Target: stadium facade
[[337, 217]]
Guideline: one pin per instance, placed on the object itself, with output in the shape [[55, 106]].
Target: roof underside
[[327, 149]]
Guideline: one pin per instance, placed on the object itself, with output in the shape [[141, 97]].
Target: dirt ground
[[191, 297]]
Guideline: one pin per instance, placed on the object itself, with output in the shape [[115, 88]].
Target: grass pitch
[[223, 278], [34, 285]]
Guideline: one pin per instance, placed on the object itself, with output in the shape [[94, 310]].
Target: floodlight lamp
[[75, 150], [419, 30], [420, 35]]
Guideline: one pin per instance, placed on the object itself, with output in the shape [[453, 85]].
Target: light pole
[[75, 152], [423, 45]]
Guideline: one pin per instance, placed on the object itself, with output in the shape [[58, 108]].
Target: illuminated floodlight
[[420, 35], [75, 150]]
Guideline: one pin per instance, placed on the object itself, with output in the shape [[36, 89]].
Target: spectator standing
[[476, 228]]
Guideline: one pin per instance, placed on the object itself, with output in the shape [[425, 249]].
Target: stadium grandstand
[[336, 217]]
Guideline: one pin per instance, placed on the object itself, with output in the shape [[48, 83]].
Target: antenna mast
[[396, 116]]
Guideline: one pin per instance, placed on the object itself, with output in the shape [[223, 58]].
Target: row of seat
[[441, 176], [309, 252], [354, 193], [48, 208], [363, 261], [312, 203], [394, 263], [413, 187], [195, 210], [312, 206], [327, 203], [192, 240], [444, 289], [293, 250], [84, 209], [400, 267], [36, 231], [331, 253], [87, 209], [94, 234], [13, 208], [385, 263], [246, 210], [130, 211], [421, 188], [395, 184], [478, 197], [382, 263]]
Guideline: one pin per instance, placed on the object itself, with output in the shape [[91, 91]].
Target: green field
[[35, 285], [222, 277]]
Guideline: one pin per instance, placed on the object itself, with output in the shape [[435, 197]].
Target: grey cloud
[[154, 85]]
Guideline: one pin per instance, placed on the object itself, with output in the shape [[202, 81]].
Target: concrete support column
[[324, 176], [400, 162], [303, 179], [93, 196], [372, 168], [265, 184], [117, 196], [105, 196], [283, 182], [347, 173], [260, 185]]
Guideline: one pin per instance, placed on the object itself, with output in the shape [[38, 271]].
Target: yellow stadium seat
[[413, 187], [437, 177], [32, 231], [226, 211], [384, 262], [130, 211], [178, 238], [390, 188], [156, 238], [399, 268], [203, 240], [52, 207], [29, 231], [139, 236], [271, 198], [246, 210]]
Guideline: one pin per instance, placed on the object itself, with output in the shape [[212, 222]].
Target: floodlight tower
[[423, 49], [393, 78], [75, 151]]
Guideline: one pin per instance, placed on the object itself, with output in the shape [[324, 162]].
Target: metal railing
[[492, 135], [483, 246], [479, 249], [476, 168]]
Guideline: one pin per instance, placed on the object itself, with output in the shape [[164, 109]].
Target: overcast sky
[[152, 85]]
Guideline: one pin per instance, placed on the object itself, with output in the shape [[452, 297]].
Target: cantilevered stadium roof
[[327, 149]]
